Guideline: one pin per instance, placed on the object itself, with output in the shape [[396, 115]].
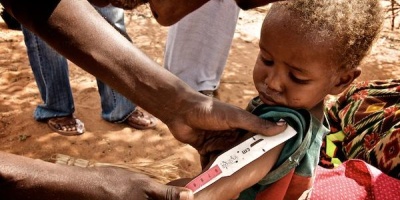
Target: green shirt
[[300, 152]]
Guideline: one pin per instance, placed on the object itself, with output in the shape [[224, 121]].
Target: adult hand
[[122, 184], [190, 124], [23, 178]]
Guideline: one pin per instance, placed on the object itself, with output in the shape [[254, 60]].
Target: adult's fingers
[[190, 125], [168, 192], [231, 117], [247, 121]]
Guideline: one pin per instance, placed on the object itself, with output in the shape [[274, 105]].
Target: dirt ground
[[117, 143]]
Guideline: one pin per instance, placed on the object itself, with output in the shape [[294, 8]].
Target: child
[[308, 49]]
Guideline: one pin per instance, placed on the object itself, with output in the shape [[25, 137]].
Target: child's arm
[[230, 187]]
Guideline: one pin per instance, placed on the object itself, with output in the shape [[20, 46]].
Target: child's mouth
[[267, 99]]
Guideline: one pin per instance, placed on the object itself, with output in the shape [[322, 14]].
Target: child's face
[[290, 71]]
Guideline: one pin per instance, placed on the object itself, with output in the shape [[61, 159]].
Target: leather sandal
[[141, 120], [68, 125]]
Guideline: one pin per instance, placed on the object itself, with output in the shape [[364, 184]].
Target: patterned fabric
[[355, 180], [365, 124]]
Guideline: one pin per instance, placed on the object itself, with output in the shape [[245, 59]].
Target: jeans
[[50, 70]]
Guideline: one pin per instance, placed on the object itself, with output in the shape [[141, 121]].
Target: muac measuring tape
[[239, 156]]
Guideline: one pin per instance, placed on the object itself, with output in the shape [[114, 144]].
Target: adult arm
[[168, 12], [25, 178], [78, 32]]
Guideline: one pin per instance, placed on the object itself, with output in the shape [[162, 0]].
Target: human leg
[[198, 46], [115, 107], [50, 70]]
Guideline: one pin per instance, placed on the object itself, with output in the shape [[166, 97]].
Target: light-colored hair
[[353, 25]]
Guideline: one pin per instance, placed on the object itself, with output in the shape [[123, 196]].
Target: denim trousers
[[50, 70]]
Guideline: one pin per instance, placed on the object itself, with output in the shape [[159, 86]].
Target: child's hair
[[354, 25]]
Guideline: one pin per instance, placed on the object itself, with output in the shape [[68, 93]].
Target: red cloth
[[289, 187], [354, 179]]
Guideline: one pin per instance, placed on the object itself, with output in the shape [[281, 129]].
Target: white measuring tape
[[239, 156]]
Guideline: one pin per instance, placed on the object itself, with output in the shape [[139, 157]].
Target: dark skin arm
[[78, 32], [168, 12], [91, 43], [25, 178]]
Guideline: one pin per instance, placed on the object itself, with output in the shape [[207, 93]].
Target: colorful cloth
[[365, 124], [295, 167], [355, 180]]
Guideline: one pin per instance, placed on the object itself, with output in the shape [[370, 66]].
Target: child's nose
[[274, 82]]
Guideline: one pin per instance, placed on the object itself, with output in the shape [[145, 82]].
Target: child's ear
[[345, 79]]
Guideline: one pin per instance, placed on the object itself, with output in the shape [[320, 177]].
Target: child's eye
[[297, 80], [267, 62]]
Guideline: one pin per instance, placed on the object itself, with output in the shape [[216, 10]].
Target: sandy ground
[[116, 143]]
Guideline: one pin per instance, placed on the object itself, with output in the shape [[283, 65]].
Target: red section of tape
[[204, 178]]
